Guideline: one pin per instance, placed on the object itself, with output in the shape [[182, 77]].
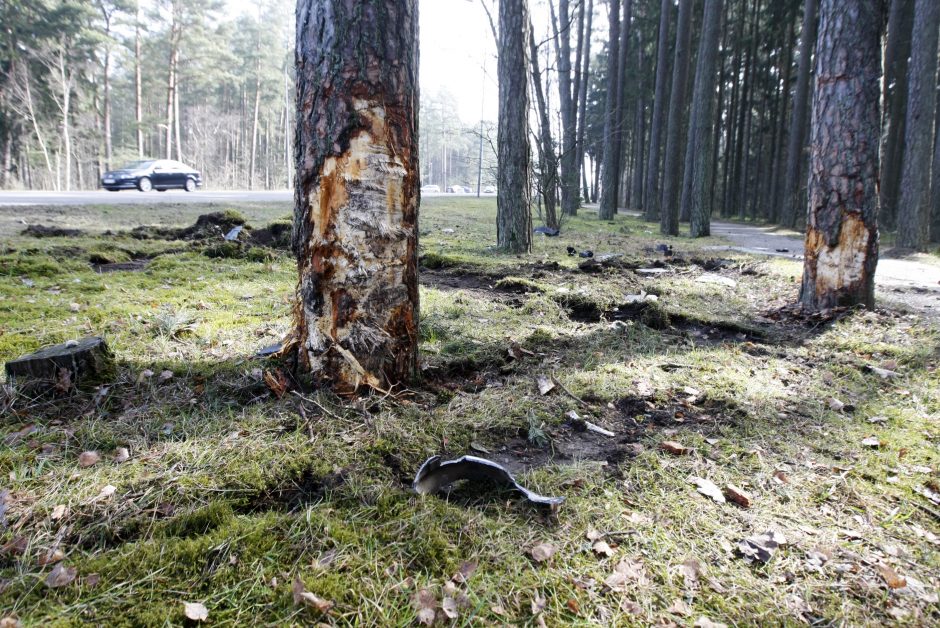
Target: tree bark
[[138, 86], [700, 133], [914, 209], [567, 102], [797, 136], [652, 194], [894, 97], [513, 212], [252, 163], [842, 229], [610, 162], [669, 214], [582, 99], [548, 162], [357, 192]]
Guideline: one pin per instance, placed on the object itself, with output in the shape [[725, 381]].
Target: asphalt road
[[126, 197]]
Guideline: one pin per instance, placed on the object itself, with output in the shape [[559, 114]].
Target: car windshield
[[138, 165]]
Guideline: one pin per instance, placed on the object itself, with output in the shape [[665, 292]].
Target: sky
[[456, 44]]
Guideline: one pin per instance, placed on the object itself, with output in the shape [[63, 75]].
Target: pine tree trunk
[[914, 208], [567, 101], [138, 87], [700, 133], [783, 109], [582, 101], [513, 211], [548, 162], [357, 192], [610, 161], [842, 229], [894, 97], [652, 193], [790, 212], [672, 181], [935, 182]]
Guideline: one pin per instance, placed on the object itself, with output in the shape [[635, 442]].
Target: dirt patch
[[46, 231], [131, 266], [208, 226]]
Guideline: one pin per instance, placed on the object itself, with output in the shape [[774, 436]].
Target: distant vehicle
[[431, 188], [489, 190], [467, 189], [152, 174]]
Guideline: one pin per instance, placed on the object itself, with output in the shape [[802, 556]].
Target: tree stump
[[88, 362]]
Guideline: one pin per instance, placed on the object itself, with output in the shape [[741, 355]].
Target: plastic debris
[[232, 235], [548, 231], [435, 475]]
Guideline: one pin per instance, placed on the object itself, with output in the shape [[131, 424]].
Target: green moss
[[435, 260], [225, 250], [519, 284], [108, 255]]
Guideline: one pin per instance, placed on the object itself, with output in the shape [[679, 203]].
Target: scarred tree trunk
[[513, 214], [914, 208], [356, 192], [842, 230]]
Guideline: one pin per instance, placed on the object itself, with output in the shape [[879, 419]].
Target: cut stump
[[88, 361]]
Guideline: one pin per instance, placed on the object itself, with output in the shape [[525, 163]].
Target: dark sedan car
[[152, 174]]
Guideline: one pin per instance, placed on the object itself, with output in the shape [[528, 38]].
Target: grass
[[230, 493]]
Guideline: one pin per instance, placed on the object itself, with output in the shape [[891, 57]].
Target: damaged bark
[[842, 230], [356, 193]]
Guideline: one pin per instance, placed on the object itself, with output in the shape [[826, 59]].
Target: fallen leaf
[[465, 571], [674, 448], [50, 558], [58, 512], [835, 405], [302, 596], [542, 552], [144, 375], [627, 570], [761, 548], [601, 548], [573, 606], [593, 535], [630, 607], [679, 607], [88, 458], [498, 610], [105, 493], [16, 545], [196, 611], [74, 307], [166, 376], [705, 622], [891, 577], [815, 559], [538, 604], [733, 494], [781, 476], [545, 384], [708, 488], [872, 441], [64, 381], [61, 576], [10, 622], [878, 419], [449, 606], [690, 570], [928, 492], [121, 455], [426, 604]]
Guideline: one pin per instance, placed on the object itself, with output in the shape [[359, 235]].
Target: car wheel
[[144, 185], [190, 185]]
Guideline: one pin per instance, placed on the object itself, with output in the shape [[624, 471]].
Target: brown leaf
[[121, 455], [302, 596], [628, 570], [15, 546], [426, 604], [64, 381], [734, 494], [674, 448], [601, 548], [51, 557], [781, 477], [872, 441], [690, 570], [708, 488], [10, 622], [58, 512], [61, 576], [545, 384], [449, 606], [705, 622], [891, 577], [466, 570], [88, 458], [542, 552], [762, 547], [630, 607], [593, 535], [678, 607], [573, 606], [196, 611]]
